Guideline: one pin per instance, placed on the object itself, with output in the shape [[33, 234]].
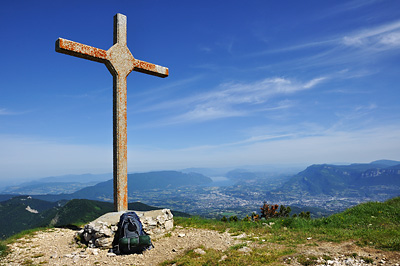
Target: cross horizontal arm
[[81, 50], [149, 68]]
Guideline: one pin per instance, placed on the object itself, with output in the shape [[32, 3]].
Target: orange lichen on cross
[[81, 50]]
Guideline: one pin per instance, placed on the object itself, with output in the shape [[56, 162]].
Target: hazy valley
[[320, 189]]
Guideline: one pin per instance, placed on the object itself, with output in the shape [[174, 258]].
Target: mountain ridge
[[329, 179], [136, 181]]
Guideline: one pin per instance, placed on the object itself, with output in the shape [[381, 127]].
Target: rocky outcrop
[[100, 232]]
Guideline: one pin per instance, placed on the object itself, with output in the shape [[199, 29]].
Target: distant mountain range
[[136, 182], [56, 184], [78, 188], [325, 186]]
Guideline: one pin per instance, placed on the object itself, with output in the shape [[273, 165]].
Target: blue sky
[[251, 83]]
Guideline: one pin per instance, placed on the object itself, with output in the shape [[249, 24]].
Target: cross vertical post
[[120, 152], [120, 62]]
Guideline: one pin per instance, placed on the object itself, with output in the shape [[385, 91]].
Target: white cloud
[[391, 39], [354, 50], [204, 113], [352, 41], [313, 82], [380, 37], [233, 100]]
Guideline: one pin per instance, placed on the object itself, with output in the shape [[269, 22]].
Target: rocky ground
[[57, 247], [346, 253]]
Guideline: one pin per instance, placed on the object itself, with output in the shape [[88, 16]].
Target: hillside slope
[[23, 212]]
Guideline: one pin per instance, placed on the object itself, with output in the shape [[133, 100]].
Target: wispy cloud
[[234, 100], [313, 82], [356, 118], [350, 6], [204, 48], [301, 46], [4, 111], [170, 86], [357, 112], [345, 7], [250, 140], [202, 113], [381, 38], [227, 45], [356, 49], [157, 94]]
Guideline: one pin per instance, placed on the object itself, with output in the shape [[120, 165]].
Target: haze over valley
[[322, 189]]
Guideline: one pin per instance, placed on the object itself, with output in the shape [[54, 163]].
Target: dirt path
[[57, 247]]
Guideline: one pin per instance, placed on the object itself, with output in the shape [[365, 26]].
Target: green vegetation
[[21, 213], [24, 212], [367, 260], [80, 211], [307, 260], [3, 250], [374, 224]]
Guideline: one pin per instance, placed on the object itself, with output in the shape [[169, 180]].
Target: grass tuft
[[4, 250], [307, 260]]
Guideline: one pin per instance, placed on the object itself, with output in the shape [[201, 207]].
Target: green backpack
[[130, 235]]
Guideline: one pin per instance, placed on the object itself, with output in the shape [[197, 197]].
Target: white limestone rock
[[100, 232]]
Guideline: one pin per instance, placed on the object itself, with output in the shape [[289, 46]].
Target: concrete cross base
[[100, 232]]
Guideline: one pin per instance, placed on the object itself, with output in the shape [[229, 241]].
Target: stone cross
[[120, 62]]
